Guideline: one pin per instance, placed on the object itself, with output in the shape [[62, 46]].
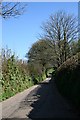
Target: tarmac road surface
[[44, 101]]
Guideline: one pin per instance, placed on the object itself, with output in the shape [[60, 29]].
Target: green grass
[[50, 71]]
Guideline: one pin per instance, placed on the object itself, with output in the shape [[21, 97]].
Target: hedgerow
[[15, 77], [67, 79]]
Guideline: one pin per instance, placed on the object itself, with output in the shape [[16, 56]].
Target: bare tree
[[61, 29], [12, 9]]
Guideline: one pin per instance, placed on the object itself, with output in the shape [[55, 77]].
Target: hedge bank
[[67, 79]]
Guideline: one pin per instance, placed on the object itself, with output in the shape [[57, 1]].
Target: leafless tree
[[12, 9], [61, 29]]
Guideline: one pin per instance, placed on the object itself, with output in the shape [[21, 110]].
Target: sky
[[20, 33]]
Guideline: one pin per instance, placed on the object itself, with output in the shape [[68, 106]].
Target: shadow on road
[[47, 103], [40, 109], [44, 102]]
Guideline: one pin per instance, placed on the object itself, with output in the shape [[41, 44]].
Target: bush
[[15, 76], [68, 79]]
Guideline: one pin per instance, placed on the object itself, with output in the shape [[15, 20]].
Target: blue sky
[[20, 33]]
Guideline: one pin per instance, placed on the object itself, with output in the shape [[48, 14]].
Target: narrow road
[[44, 102]]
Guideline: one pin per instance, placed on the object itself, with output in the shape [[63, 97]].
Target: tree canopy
[[41, 56]]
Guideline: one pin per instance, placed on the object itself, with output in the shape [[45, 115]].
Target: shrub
[[15, 76], [68, 79]]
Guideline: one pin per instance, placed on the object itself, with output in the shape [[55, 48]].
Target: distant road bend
[[44, 101]]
